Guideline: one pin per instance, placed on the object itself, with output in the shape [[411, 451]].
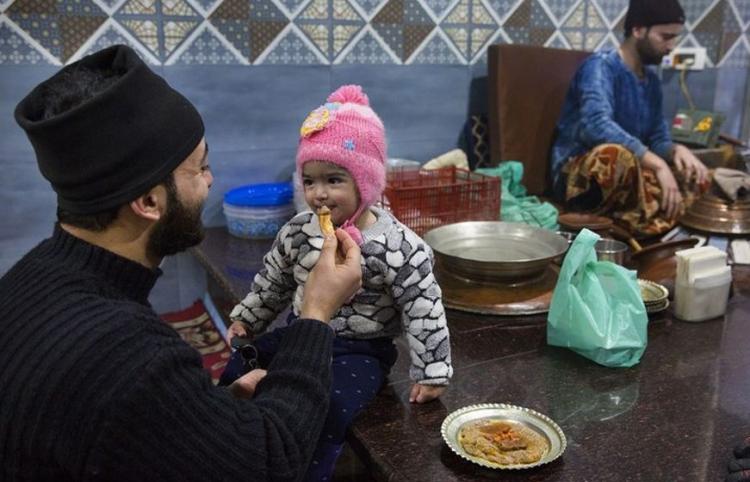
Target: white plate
[[536, 421]]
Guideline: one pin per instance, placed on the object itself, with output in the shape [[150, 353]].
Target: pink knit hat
[[346, 131]]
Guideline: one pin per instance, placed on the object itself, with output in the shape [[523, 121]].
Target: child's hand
[[425, 393], [237, 328]]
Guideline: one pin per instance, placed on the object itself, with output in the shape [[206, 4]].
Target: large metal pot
[[494, 250]]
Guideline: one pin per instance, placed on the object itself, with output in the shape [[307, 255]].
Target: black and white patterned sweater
[[399, 292]]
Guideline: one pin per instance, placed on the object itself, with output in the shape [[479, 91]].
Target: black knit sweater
[[94, 386]]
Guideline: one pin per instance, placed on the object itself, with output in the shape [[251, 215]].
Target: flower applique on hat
[[318, 119]]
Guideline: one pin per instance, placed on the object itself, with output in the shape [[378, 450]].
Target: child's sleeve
[[272, 288], [419, 299]]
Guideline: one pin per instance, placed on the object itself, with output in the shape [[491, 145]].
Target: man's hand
[[244, 387], [671, 198], [335, 278], [689, 165], [425, 393]]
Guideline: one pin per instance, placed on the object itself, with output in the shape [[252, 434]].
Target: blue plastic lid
[[256, 195]]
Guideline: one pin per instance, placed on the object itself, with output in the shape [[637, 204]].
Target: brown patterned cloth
[[610, 181]]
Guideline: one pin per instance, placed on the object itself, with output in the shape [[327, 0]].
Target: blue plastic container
[[258, 211]]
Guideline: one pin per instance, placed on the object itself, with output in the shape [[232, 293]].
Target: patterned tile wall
[[326, 32]]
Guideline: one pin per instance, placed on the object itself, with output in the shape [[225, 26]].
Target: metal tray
[[536, 421], [529, 297]]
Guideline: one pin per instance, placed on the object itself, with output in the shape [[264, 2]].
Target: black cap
[[645, 13], [116, 145]]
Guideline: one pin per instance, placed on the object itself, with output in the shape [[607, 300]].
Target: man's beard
[[647, 53], [179, 229]]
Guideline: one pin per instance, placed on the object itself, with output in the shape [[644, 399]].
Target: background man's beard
[[179, 229], [648, 55]]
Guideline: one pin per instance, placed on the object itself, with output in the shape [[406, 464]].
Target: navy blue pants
[[359, 370]]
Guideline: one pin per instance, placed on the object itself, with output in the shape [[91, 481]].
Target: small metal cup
[[611, 250]]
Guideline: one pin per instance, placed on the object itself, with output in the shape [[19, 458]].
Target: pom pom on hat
[[349, 93]]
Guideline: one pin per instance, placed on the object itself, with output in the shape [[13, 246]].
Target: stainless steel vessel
[[495, 250]]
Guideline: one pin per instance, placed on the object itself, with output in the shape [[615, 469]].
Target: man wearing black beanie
[[94, 384], [613, 153]]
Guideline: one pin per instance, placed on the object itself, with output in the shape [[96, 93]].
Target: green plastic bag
[[597, 309], [515, 205]]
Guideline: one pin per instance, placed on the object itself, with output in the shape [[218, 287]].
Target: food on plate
[[324, 218], [502, 442]]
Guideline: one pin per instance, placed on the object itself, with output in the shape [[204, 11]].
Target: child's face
[[327, 184]]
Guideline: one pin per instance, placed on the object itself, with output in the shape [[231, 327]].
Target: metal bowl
[[495, 250]]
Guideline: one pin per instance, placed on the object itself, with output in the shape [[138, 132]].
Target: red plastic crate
[[426, 199]]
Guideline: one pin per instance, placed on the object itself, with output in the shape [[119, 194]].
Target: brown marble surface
[[675, 416]]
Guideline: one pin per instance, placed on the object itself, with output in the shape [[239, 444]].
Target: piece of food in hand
[[503, 442], [324, 218]]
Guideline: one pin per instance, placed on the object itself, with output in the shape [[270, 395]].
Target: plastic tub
[[258, 211]]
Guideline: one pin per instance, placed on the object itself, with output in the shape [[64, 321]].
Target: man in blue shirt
[[613, 153]]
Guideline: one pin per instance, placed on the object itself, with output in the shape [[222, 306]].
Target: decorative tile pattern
[[292, 5], [612, 9], [330, 25], [60, 26], [438, 7], [292, 49], [743, 7], [167, 32], [113, 34], [161, 25], [250, 26], [560, 8], [469, 25], [530, 24], [557, 42], [438, 50], [206, 4], [738, 56], [619, 29], [609, 43], [503, 8], [369, 6], [16, 50], [694, 9], [108, 3], [207, 49], [368, 50], [718, 31], [584, 28], [403, 25]]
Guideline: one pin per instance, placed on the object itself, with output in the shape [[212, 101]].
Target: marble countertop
[[675, 416]]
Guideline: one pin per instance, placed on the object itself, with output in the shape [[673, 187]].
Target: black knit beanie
[[645, 13], [116, 145]]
